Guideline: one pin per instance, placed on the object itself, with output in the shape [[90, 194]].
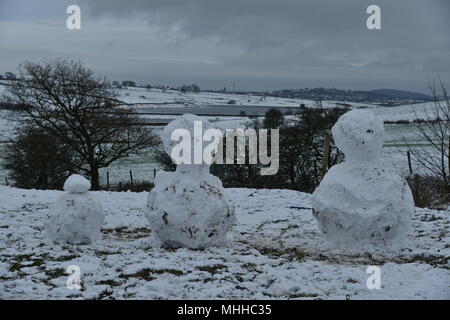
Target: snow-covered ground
[[273, 252]]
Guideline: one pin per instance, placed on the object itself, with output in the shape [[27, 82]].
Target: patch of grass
[[144, 274], [171, 271], [16, 266], [104, 253], [289, 253], [55, 273], [19, 262], [104, 294], [212, 268], [37, 262], [148, 274], [251, 267], [303, 295], [110, 283], [64, 258], [129, 233], [204, 280], [290, 227], [433, 260]]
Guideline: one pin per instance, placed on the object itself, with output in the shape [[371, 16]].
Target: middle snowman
[[189, 207]]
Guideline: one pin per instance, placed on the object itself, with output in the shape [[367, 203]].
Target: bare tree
[[435, 130], [66, 100]]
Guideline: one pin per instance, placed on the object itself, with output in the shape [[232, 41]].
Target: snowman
[[359, 202], [189, 207], [77, 216]]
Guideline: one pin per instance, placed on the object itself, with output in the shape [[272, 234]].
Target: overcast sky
[[258, 44]]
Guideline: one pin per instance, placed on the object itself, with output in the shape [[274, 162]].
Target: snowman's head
[[360, 135], [180, 138]]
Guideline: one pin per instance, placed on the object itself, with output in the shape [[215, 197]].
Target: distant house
[[1, 77], [10, 76]]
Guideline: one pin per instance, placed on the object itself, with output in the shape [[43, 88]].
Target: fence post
[[154, 174], [6, 180], [131, 178], [326, 154], [416, 192], [409, 162], [107, 179]]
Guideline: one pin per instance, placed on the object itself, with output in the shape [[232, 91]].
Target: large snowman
[[189, 207], [359, 202], [77, 216]]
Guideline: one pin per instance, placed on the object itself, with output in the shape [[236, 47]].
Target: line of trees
[[190, 88], [72, 122]]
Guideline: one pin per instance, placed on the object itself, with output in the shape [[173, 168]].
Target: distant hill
[[400, 94], [382, 97]]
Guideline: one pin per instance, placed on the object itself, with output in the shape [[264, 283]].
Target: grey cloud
[[283, 43]]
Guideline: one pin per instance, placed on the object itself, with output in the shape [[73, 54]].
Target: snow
[[188, 207], [359, 202], [77, 216], [274, 252], [360, 135], [77, 183]]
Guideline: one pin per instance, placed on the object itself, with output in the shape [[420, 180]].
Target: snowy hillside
[[173, 98], [273, 251], [178, 98]]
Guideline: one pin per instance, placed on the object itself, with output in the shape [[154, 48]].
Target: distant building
[[1, 77]]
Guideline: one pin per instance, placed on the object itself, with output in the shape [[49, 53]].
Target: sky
[[256, 44]]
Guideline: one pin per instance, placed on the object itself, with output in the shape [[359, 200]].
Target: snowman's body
[[189, 207], [359, 202], [77, 216]]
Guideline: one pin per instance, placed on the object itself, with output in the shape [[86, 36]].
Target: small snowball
[[77, 183]]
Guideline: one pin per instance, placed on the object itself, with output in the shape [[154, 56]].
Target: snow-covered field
[[409, 112], [178, 98], [273, 252]]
